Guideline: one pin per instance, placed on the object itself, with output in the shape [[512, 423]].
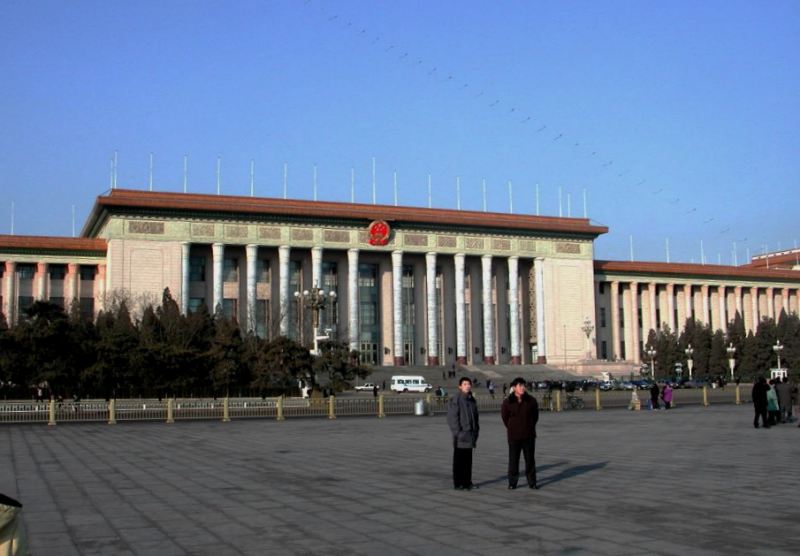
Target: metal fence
[[171, 410]]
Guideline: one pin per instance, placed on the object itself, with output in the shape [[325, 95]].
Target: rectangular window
[[26, 271], [601, 288], [57, 271], [197, 269], [230, 270], [658, 319], [639, 320], [603, 350], [24, 301], [602, 317], [87, 308], [622, 350], [261, 317], [229, 307], [262, 271], [621, 318], [195, 303], [86, 272]]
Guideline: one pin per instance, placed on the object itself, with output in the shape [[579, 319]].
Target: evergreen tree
[[225, 355], [718, 356], [338, 365], [283, 364], [115, 371]]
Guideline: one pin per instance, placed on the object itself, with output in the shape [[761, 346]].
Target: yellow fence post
[[331, 404], [279, 407], [429, 404], [597, 405], [558, 400], [738, 396], [170, 416], [52, 413], [705, 396], [226, 412], [112, 411], [381, 413]]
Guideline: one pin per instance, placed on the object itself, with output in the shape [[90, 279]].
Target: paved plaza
[[692, 480]]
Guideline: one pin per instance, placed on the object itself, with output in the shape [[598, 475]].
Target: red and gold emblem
[[378, 232]]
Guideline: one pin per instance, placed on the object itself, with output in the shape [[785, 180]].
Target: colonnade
[[670, 304], [432, 309]]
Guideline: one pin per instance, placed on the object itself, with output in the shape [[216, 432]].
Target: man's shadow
[[561, 475]]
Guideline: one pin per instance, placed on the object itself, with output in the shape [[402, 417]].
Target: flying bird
[[557, 137], [541, 128], [525, 120]]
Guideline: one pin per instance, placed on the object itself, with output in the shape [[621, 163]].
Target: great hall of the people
[[413, 286]]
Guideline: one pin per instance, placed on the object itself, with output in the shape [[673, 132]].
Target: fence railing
[[113, 411]]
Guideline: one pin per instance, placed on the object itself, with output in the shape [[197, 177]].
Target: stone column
[[71, 286], [754, 307], [513, 309], [615, 340], [316, 266], [10, 294], [352, 297], [461, 320], [41, 281], [100, 288], [217, 256], [723, 317], [688, 300], [251, 255], [706, 311], [654, 324], [185, 249], [671, 306], [635, 354], [737, 293], [397, 306], [771, 302], [283, 289], [488, 313], [541, 340], [785, 299], [433, 309]]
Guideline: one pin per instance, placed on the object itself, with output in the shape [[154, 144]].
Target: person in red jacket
[[520, 413]]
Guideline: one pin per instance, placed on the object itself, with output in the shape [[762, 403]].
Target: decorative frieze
[[571, 248], [473, 242], [336, 236], [527, 245], [416, 240], [204, 230], [233, 231], [269, 233], [302, 234], [447, 242], [501, 244], [142, 227]]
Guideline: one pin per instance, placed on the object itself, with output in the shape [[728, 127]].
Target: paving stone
[[613, 482]]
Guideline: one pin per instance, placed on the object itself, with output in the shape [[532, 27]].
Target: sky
[[675, 124]]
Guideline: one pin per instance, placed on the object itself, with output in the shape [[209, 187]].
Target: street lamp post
[[315, 300], [652, 353], [587, 328], [689, 362], [778, 348], [731, 358]]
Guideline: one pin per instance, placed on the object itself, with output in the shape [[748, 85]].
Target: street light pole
[[587, 328], [689, 362], [315, 299], [652, 353], [731, 358], [778, 348]]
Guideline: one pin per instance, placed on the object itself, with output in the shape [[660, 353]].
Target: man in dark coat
[[759, 395], [654, 393], [462, 418], [784, 392], [520, 413]]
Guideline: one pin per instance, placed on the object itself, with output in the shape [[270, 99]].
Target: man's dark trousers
[[462, 467], [527, 448]]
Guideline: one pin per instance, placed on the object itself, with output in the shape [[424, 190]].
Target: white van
[[409, 383]]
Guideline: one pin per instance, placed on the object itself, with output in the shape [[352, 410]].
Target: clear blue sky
[[679, 119]]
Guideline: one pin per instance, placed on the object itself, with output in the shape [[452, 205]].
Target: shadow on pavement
[[571, 472]]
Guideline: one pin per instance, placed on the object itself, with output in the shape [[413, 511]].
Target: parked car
[[366, 387]]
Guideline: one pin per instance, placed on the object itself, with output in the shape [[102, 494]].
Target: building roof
[[783, 259], [686, 269], [27, 244], [119, 200]]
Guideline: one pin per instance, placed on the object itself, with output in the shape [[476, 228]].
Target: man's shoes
[[473, 486], [534, 486], [512, 487], [459, 487]]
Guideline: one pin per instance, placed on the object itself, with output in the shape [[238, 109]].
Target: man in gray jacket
[[462, 417]]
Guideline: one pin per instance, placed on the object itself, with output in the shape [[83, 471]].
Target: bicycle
[[574, 402]]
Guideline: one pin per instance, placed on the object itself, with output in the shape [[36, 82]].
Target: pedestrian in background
[[666, 395], [520, 413], [773, 411], [784, 392], [654, 393], [462, 418], [759, 395]]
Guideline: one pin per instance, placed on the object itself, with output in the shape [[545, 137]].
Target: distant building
[[414, 286]]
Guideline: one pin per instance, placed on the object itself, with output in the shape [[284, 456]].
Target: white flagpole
[[252, 177], [374, 187], [510, 199], [150, 176], [352, 185], [185, 173], [285, 179], [458, 193], [219, 173], [315, 182], [484, 194], [395, 187], [430, 193], [537, 199]]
